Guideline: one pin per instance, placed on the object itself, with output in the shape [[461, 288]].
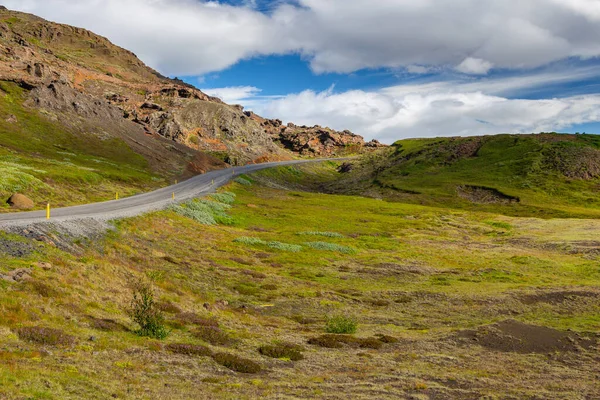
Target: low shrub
[[333, 341], [283, 351], [189, 349], [325, 234], [325, 246], [213, 335], [341, 324], [269, 286], [301, 319], [236, 363], [243, 181], [249, 240], [47, 336], [224, 197], [203, 216], [294, 248], [144, 312]]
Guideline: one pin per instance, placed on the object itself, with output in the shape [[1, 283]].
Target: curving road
[[142, 203]]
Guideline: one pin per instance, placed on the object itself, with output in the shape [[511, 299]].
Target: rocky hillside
[[81, 79]]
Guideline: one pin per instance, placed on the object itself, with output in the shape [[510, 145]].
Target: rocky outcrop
[[70, 72]]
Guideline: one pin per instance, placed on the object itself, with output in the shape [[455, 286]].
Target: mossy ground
[[419, 274]]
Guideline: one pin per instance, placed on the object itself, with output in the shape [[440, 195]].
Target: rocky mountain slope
[[79, 78]]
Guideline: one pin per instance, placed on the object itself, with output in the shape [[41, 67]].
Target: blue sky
[[387, 69]]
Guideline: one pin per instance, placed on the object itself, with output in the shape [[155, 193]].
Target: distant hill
[[528, 175], [73, 106]]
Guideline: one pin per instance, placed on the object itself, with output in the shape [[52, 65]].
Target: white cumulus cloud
[[193, 37]]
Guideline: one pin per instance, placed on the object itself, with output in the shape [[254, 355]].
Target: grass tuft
[[189, 349], [341, 324]]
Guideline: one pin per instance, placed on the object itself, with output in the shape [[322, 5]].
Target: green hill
[[545, 175]]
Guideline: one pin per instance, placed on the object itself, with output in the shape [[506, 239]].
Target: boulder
[[20, 201]]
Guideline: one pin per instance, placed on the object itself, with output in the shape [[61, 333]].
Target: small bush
[[325, 234], [144, 312], [243, 181], [224, 197], [269, 286], [249, 241], [237, 364], [283, 350], [294, 248], [341, 324], [325, 246], [47, 336], [189, 349], [213, 335]]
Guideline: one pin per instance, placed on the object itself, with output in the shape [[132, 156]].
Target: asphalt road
[[142, 203]]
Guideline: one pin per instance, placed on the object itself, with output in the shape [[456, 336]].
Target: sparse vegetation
[[325, 234], [144, 312], [213, 335], [331, 247], [243, 181], [45, 336]]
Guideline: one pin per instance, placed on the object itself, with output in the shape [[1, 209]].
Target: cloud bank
[[191, 37]]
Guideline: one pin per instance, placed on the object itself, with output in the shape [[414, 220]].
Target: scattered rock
[[44, 265], [17, 275], [20, 201]]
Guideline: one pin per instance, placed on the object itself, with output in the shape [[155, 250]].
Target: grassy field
[[443, 303], [44, 160]]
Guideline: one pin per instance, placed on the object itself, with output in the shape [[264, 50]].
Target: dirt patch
[[556, 297], [484, 195], [515, 336]]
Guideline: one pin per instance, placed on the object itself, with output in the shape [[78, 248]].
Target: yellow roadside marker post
[[213, 182], [116, 196], [48, 211], [173, 196]]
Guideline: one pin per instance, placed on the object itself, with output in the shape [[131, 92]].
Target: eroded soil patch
[[515, 336]]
